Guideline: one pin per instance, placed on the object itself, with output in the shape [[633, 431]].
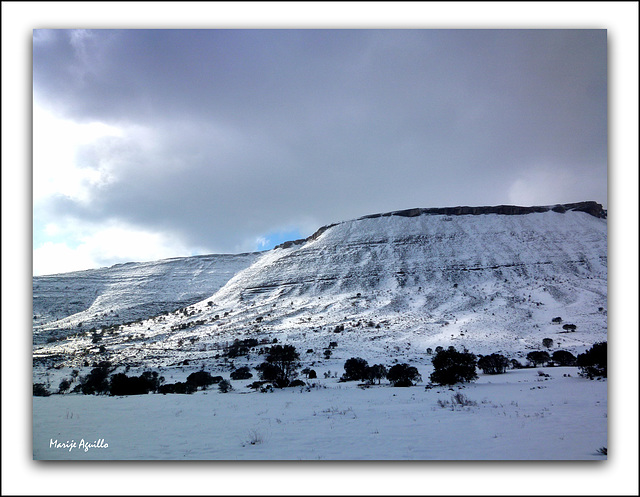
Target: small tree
[[242, 373], [451, 366], [593, 362], [281, 365], [538, 357], [39, 390], [403, 375], [564, 358], [64, 386], [200, 379], [547, 342], [355, 369], [376, 372], [224, 386], [97, 381], [493, 364]]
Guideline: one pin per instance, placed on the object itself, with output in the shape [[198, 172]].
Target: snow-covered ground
[[519, 415]]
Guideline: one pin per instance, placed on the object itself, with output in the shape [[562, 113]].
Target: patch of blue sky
[[43, 235], [270, 240]]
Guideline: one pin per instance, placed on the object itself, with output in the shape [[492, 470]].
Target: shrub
[[121, 384], [312, 374], [569, 327], [493, 364], [39, 390], [451, 366], [200, 379], [593, 362], [564, 358], [516, 364], [462, 400], [355, 369], [280, 366], [97, 381], [242, 373], [547, 342], [178, 387], [538, 357], [557, 320], [327, 353], [403, 375], [64, 386], [297, 383], [376, 372], [224, 386]]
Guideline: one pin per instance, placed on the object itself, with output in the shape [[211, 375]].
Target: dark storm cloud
[[230, 134]]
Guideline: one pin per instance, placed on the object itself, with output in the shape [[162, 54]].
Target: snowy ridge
[[65, 303]]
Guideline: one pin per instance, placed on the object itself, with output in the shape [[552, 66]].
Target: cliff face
[[592, 208]]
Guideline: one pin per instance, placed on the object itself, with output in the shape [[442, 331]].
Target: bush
[[312, 374], [538, 357], [178, 387], [493, 364], [564, 358], [403, 375], [121, 384], [547, 342], [64, 386], [297, 383], [593, 363], [516, 364], [451, 366], [39, 390], [200, 379], [355, 369], [242, 373], [281, 365], [224, 386], [376, 372], [97, 381]]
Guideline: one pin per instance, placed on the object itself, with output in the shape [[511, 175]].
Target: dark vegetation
[[451, 366], [280, 366], [593, 363], [403, 375], [493, 364]]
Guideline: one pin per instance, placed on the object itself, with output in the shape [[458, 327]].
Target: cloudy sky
[[159, 143]]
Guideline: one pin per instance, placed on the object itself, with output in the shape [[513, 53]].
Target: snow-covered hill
[[71, 302], [490, 279]]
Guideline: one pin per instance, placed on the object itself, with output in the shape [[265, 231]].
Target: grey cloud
[[250, 130]]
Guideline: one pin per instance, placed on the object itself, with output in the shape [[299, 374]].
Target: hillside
[[71, 302], [387, 285]]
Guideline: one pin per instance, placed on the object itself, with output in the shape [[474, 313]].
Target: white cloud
[[548, 184], [55, 168], [92, 246]]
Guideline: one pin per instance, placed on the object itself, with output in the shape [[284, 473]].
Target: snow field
[[516, 416]]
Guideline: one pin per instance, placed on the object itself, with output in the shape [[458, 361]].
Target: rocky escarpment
[[593, 208], [590, 207]]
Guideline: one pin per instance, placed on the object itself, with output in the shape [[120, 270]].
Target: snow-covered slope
[[72, 302], [395, 285]]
